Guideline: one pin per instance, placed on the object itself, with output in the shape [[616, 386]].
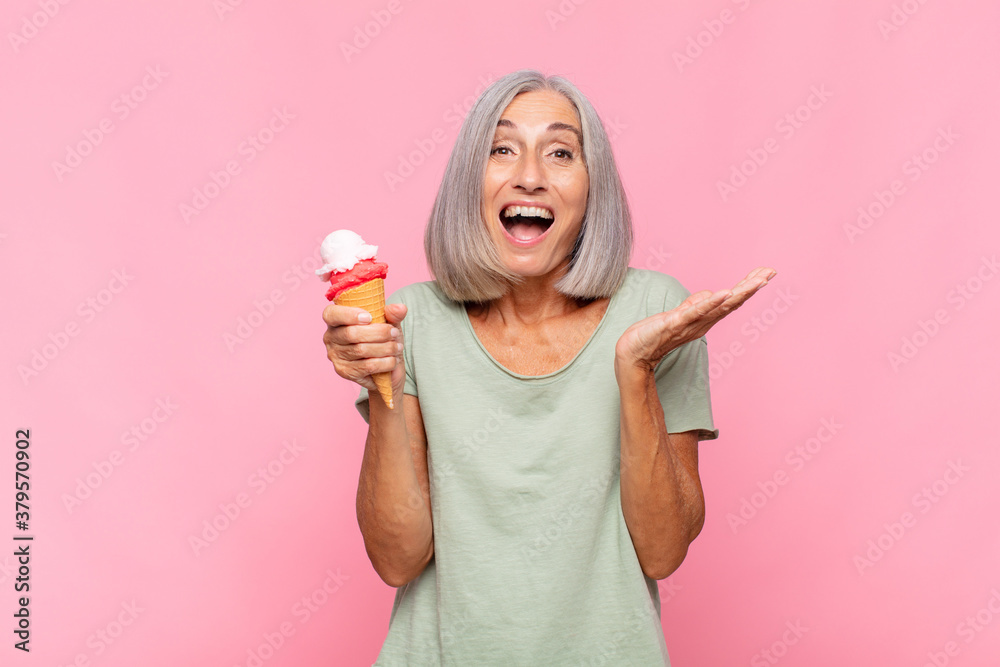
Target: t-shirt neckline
[[594, 334]]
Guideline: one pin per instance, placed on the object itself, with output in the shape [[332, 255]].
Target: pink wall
[[855, 395]]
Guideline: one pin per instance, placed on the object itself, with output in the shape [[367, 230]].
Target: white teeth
[[527, 211]]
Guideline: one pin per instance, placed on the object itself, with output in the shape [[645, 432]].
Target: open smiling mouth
[[526, 223]]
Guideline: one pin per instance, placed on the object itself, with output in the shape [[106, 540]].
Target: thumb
[[395, 312]]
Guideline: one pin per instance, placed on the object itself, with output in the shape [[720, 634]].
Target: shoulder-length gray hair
[[460, 251]]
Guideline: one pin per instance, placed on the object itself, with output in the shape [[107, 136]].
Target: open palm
[[646, 342]]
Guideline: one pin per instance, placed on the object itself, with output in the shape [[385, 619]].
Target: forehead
[[539, 108]]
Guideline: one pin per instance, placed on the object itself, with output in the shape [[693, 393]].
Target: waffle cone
[[371, 297]]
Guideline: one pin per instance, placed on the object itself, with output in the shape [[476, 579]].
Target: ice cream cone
[[371, 297]]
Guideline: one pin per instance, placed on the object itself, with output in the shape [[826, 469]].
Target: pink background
[[829, 550]]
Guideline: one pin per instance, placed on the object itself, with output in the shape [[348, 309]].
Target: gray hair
[[460, 251]]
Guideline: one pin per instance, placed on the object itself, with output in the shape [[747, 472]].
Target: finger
[[754, 280], [695, 298], [741, 293], [360, 371], [701, 311], [360, 333], [395, 312], [709, 304], [705, 308], [749, 286], [377, 365], [336, 316], [764, 272], [369, 351]]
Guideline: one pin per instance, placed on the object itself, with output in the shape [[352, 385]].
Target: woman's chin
[[533, 267]]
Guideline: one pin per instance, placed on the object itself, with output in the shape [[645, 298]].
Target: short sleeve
[[682, 383], [410, 384]]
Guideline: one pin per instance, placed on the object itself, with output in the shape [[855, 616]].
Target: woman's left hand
[[646, 342]]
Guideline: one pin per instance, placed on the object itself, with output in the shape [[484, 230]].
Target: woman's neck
[[533, 300]]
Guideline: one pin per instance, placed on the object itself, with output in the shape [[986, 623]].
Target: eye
[[496, 150], [565, 154]]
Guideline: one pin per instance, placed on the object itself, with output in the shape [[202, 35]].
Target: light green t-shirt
[[533, 563]]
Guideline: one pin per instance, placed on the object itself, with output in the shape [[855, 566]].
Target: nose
[[530, 173]]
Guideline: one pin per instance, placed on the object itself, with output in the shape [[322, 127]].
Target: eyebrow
[[503, 122]]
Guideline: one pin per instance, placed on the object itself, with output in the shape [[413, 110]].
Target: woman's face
[[536, 162]]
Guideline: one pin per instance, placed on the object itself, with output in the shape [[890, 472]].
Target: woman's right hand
[[359, 349]]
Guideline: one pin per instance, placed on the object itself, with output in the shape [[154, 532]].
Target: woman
[[543, 470]]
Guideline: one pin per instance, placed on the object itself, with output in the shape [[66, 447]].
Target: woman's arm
[[393, 504], [661, 493]]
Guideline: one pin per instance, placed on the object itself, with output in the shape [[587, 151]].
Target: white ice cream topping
[[341, 250]]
